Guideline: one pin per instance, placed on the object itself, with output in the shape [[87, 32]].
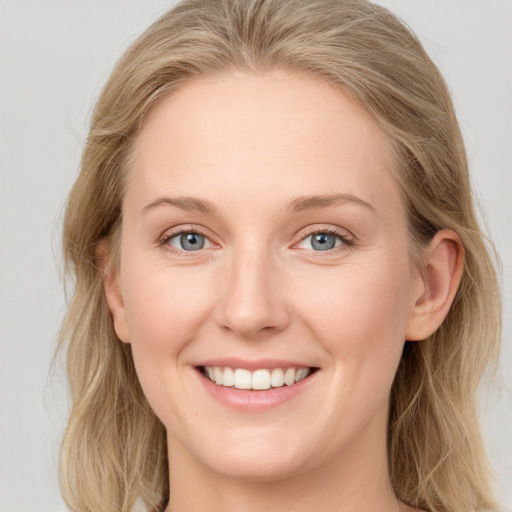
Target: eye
[[323, 241], [187, 241]]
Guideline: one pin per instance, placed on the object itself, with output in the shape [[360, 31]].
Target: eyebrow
[[304, 203], [299, 204], [189, 204]]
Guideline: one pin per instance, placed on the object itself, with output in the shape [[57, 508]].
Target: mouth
[[260, 379]]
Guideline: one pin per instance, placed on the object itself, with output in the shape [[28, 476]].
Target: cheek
[[165, 311], [360, 320], [360, 311], [162, 310]]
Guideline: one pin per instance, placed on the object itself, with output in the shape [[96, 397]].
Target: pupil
[[323, 241], [192, 241]]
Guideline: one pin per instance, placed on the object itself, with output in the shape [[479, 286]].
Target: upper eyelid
[[312, 230], [187, 228]]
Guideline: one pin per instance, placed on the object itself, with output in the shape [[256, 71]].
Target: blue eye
[[322, 241], [188, 241]]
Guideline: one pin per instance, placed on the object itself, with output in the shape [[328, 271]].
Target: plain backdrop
[[54, 57]]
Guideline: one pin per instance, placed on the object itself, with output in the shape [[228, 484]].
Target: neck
[[357, 482]]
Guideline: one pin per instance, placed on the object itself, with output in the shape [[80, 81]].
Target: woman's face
[[264, 241]]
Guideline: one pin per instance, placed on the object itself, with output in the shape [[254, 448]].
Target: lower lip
[[255, 400]]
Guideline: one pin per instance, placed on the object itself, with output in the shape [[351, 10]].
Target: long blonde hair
[[114, 449]]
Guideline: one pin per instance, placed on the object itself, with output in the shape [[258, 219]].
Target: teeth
[[261, 379], [228, 377], [241, 378], [301, 373], [277, 378], [289, 376]]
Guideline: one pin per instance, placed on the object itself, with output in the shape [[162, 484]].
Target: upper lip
[[252, 364]]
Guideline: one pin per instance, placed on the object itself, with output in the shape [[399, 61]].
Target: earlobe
[[113, 295], [441, 273]]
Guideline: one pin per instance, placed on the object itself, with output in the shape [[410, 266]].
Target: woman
[[282, 298]]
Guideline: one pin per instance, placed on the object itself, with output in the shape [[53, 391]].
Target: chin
[[258, 469], [264, 458]]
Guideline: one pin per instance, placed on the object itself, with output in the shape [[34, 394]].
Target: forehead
[[273, 132]]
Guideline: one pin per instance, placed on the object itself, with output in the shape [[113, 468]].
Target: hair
[[114, 452]]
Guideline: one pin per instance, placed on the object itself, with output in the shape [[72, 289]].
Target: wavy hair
[[114, 451]]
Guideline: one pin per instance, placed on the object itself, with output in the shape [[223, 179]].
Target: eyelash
[[168, 236], [346, 241]]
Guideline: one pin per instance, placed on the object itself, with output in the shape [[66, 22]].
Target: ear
[[440, 276], [111, 286]]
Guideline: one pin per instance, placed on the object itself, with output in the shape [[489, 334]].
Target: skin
[[250, 145]]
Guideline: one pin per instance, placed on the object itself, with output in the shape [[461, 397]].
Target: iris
[[323, 241], [192, 241]]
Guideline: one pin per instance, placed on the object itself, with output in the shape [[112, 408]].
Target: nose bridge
[[253, 299]]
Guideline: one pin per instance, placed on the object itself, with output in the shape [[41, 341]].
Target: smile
[[260, 379]]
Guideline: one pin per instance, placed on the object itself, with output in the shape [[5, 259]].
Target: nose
[[253, 302]]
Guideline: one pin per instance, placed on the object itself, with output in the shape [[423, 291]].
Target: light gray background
[[55, 55]]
